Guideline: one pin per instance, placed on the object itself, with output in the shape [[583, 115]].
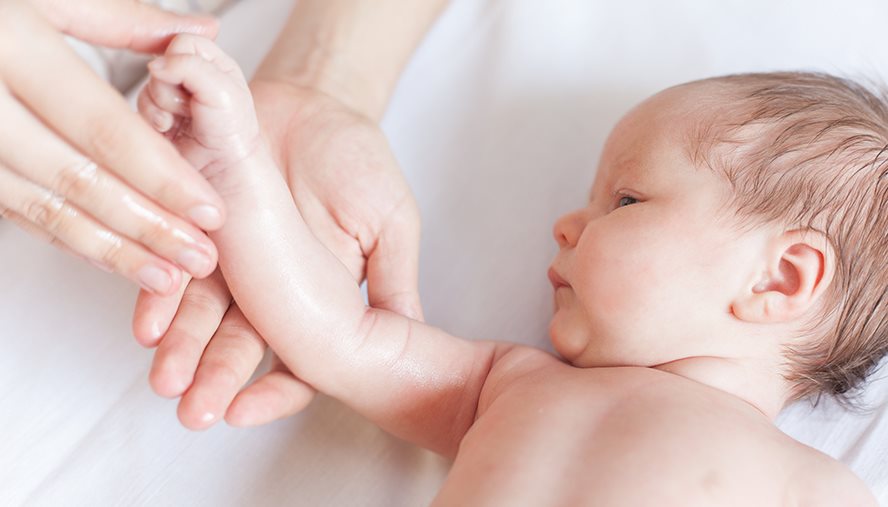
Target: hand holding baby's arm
[[411, 379]]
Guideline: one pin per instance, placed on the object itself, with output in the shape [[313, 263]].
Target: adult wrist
[[352, 50], [324, 70]]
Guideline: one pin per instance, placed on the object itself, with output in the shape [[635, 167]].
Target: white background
[[498, 123]]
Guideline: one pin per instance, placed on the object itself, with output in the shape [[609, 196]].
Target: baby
[[729, 260]]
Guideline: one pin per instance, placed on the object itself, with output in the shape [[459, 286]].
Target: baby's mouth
[[556, 279]]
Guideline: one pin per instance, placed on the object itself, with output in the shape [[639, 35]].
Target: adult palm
[[348, 187]]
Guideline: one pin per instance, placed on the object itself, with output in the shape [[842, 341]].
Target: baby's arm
[[413, 380]]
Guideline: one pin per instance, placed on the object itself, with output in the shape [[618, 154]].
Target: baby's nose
[[568, 228]]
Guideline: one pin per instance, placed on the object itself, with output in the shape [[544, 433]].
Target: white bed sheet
[[498, 123]]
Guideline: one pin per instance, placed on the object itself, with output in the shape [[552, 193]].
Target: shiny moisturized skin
[[646, 277], [80, 172]]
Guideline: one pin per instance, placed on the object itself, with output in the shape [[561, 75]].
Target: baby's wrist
[[243, 172]]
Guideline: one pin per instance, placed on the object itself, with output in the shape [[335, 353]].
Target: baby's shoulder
[[821, 481], [512, 363]]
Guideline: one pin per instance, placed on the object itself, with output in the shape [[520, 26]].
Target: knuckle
[[221, 373], [166, 191], [111, 252], [47, 212], [203, 303], [56, 242], [154, 232], [77, 181], [106, 139], [224, 99], [242, 333], [237, 327], [184, 346]]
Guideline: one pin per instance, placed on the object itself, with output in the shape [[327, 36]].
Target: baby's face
[[647, 270]]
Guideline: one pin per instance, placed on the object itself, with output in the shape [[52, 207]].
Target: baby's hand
[[198, 96]]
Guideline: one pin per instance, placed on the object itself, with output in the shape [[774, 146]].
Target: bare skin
[[547, 433], [319, 95], [647, 410], [88, 175]]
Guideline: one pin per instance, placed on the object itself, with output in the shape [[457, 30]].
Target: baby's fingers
[[162, 120], [208, 85]]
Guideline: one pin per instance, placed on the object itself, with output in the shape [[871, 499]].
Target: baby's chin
[[576, 346], [570, 342]]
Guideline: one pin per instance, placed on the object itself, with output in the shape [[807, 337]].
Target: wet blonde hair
[[809, 151]]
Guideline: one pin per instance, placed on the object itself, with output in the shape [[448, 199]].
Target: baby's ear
[[799, 267]]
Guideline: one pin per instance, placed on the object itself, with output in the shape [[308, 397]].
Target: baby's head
[[742, 217]]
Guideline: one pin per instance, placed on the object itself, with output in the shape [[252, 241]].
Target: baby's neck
[[758, 386]]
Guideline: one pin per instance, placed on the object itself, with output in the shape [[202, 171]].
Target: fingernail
[[155, 330], [155, 279], [207, 417], [195, 262], [157, 64], [162, 120], [206, 216]]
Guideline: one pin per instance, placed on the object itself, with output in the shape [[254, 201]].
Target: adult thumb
[[393, 271], [128, 24]]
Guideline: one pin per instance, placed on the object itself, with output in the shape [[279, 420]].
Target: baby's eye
[[626, 201]]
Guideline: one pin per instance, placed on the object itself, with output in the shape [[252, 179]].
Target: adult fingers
[[35, 153], [203, 306], [99, 124], [227, 364], [275, 395], [153, 314], [83, 235], [35, 231], [123, 24], [393, 264]]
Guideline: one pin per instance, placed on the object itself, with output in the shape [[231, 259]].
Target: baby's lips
[[556, 279]]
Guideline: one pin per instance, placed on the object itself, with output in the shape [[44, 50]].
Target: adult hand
[[77, 165], [209, 353], [351, 192], [348, 188]]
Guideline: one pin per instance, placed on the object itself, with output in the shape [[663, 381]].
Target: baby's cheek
[[622, 283]]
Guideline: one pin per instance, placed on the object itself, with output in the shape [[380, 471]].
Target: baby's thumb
[[128, 24]]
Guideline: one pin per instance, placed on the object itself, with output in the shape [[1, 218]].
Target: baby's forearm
[[413, 380], [290, 287]]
